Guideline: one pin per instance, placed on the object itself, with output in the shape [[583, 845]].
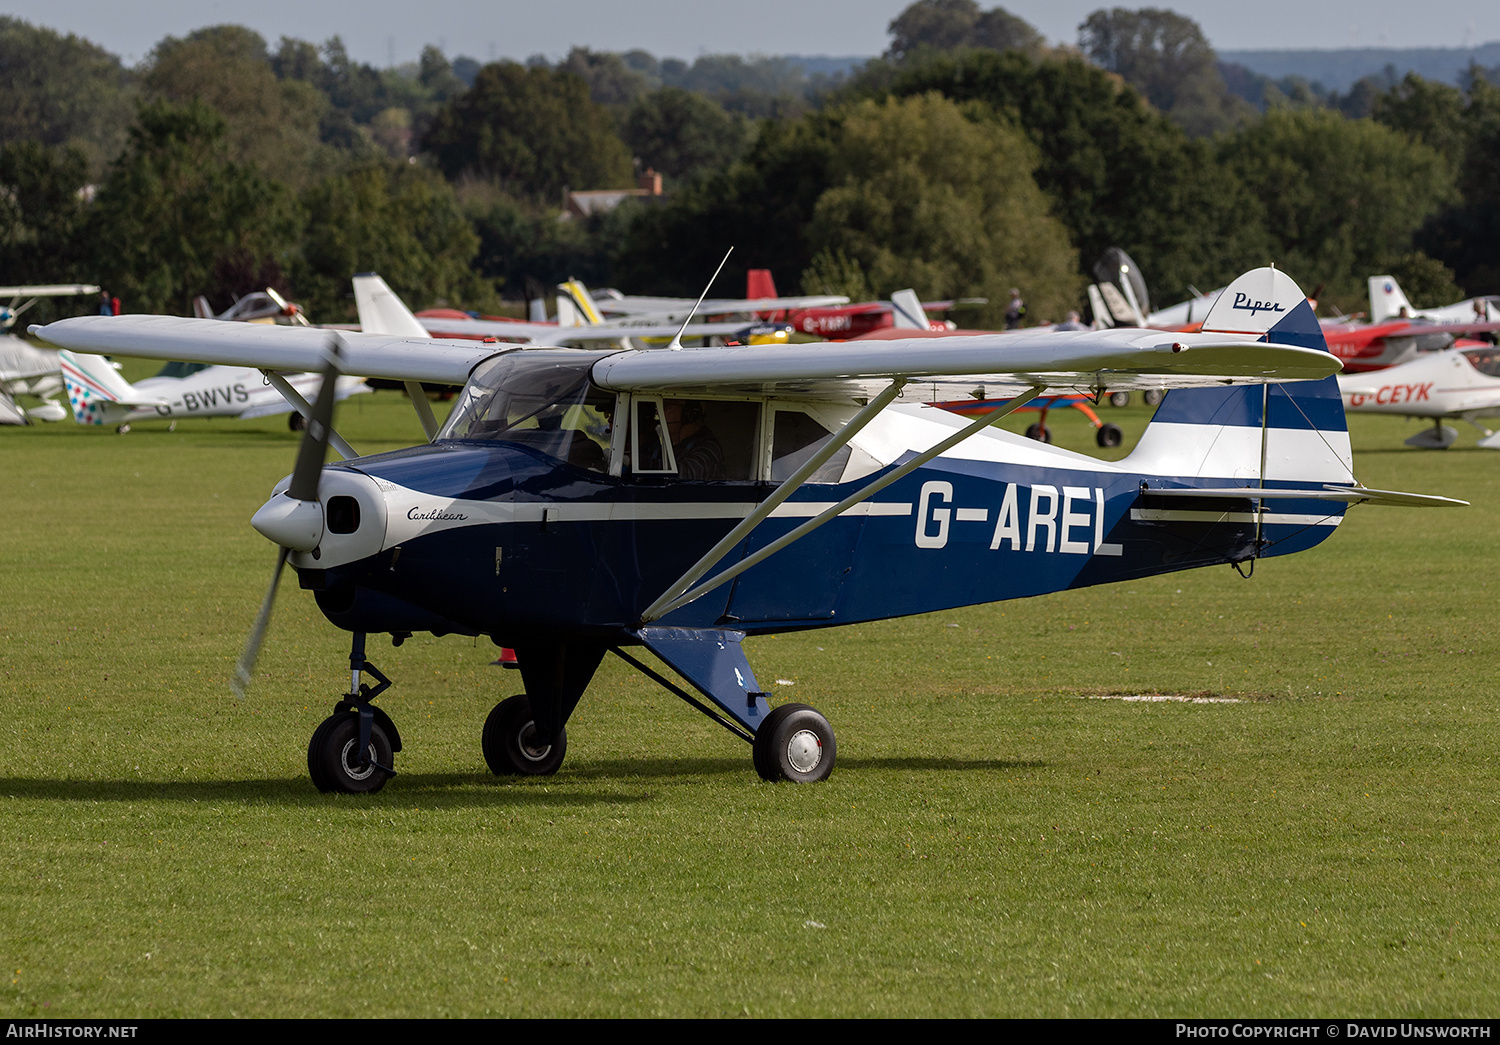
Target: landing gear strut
[[353, 750]]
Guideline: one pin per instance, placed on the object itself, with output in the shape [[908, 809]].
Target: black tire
[[506, 737], [1039, 432], [1108, 435], [295, 421], [1119, 399], [794, 743], [331, 759], [315, 754], [1152, 396]]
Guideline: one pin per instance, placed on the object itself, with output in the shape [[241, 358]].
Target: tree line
[[969, 158]]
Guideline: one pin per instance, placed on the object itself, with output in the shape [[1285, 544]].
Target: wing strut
[[788, 487], [658, 610], [292, 396], [419, 403]]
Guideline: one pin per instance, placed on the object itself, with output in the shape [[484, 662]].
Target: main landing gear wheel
[[1119, 399], [1039, 432], [333, 760], [1152, 396], [509, 741], [794, 743], [295, 421], [1108, 435]]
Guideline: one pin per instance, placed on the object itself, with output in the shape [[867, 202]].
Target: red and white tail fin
[[93, 384]]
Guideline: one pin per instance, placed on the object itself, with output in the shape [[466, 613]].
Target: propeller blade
[[304, 487], [314, 450], [243, 670]]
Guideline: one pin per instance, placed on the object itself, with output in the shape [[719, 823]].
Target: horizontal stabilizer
[[1351, 494]]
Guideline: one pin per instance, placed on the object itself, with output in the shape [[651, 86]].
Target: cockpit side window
[[708, 439], [1485, 360], [796, 436]]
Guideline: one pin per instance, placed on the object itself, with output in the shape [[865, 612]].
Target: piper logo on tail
[[1245, 303]]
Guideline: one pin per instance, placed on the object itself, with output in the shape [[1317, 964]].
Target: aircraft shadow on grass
[[437, 790], [454, 789]]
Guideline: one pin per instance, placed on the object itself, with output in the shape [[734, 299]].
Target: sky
[[383, 32]]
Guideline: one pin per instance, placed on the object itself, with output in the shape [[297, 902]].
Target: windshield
[[540, 399]]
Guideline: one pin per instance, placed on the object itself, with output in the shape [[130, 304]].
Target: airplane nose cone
[[291, 523]]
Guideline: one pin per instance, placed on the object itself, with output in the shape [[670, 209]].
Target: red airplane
[[846, 322]]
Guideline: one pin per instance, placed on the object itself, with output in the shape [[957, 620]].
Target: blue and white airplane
[[579, 503]]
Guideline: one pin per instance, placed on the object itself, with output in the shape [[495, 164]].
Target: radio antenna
[[676, 344]]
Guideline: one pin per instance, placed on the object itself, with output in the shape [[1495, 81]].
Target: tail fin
[[92, 382], [907, 311], [1292, 433], [381, 311], [576, 307], [1387, 299], [759, 284]]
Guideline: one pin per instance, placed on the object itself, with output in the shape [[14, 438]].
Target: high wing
[[19, 361], [50, 290], [390, 356], [1088, 360], [1091, 360], [551, 334], [679, 307]]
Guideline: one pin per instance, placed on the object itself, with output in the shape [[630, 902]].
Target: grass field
[[997, 840]]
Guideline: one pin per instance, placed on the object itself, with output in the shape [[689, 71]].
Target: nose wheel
[[334, 761], [794, 743], [510, 743]]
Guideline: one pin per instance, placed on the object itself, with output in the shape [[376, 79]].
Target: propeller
[[295, 519]]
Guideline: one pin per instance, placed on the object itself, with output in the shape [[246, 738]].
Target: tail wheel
[[510, 745], [794, 743]]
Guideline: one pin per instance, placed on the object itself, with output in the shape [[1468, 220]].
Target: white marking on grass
[[1154, 697]]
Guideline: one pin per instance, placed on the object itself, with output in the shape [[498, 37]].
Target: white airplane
[[260, 306], [581, 503], [1458, 383], [666, 310], [100, 396], [24, 368], [1387, 302], [581, 321]]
